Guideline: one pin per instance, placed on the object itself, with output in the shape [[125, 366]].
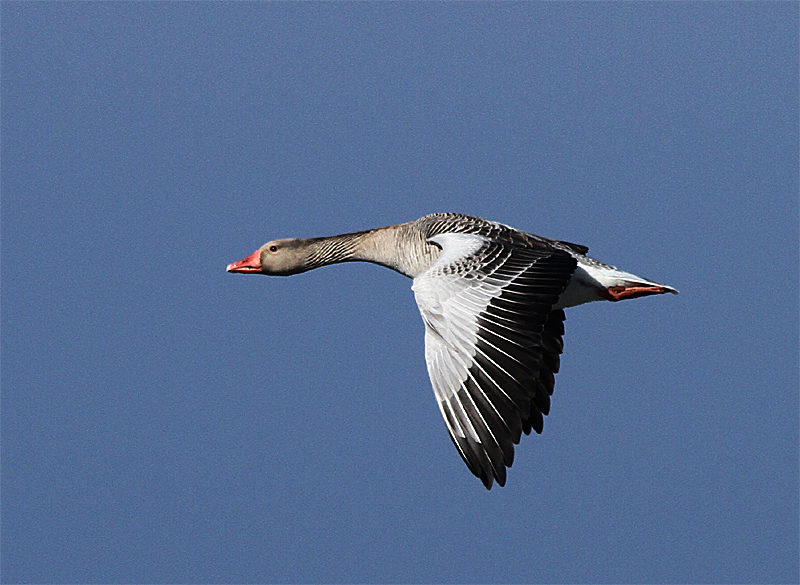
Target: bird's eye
[[273, 248]]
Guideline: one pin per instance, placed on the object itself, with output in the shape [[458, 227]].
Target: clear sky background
[[164, 421]]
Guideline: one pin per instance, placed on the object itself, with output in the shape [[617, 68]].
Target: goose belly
[[582, 288]]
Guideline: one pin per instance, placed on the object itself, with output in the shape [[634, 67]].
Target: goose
[[492, 299]]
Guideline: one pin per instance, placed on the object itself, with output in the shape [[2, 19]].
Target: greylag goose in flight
[[492, 299]]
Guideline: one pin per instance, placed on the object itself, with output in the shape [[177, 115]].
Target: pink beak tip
[[249, 265]]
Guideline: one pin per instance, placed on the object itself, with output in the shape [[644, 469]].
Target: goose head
[[275, 258]]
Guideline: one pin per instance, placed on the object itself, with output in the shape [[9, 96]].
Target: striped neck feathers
[[403, 250]]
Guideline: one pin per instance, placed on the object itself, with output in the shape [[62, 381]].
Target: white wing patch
[[456, 247], [451, 295], [485, 303]]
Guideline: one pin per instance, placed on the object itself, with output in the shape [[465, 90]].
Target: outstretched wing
[[492, 342]]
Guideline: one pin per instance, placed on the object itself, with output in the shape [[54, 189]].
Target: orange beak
[[249, 265]]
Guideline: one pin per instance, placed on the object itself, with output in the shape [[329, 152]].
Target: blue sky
[[164, 421]]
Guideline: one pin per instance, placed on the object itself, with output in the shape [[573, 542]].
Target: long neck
[[394, 247], [333, 249]]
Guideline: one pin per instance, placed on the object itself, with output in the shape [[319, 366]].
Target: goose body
[[492, 299]]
